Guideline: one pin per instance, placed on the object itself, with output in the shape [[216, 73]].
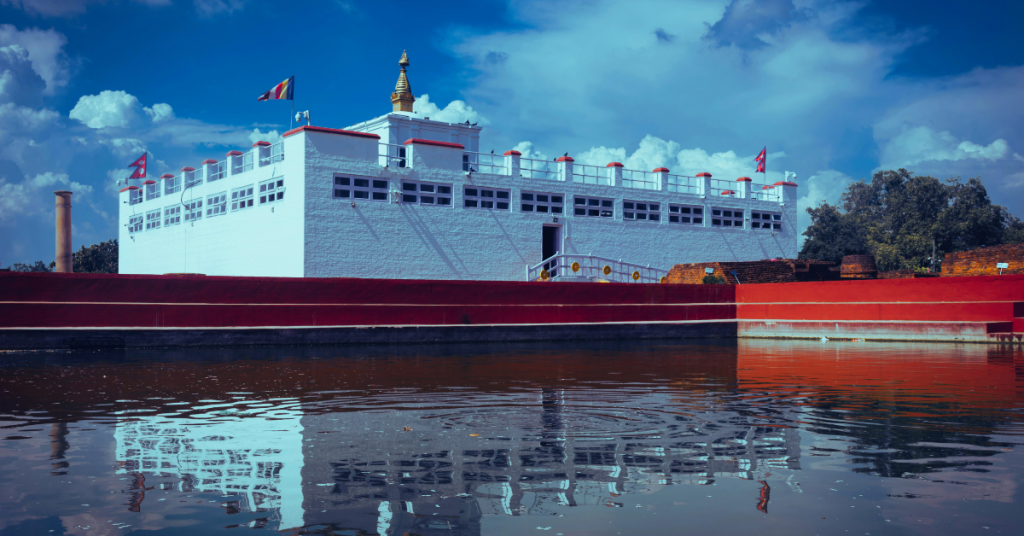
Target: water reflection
[[451, 440]]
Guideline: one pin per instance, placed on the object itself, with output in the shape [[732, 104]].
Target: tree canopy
[[897, 217], [96, 259]]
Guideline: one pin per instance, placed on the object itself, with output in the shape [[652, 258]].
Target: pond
[[656, 437]]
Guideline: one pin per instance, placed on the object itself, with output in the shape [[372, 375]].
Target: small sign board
[[709, 270], [1002, 265]]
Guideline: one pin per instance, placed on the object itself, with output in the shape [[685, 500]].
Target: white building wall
[[397, 127], [265, 240]]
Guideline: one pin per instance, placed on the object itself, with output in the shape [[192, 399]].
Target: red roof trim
[[513, 153], [149, 182], [209, 161], [744, 179], [186, 168], [767, 187], [704, 174], [661, 170], [261, 144], [330, 131], [234, 153], [785, 183], [434, 143], [128, 188], [166, 176], [565, 159], [614, 164], [728, 192]]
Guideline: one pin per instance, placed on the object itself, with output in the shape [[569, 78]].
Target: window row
[[217, 204]]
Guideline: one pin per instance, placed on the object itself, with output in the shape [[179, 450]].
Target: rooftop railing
[[684, 184], [217, 171], [570, 267], [484, 163], [390, 155], [640, 180], [530, 168], [272, 154], [587, 174]]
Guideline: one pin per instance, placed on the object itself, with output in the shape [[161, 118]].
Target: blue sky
[[834, 89]]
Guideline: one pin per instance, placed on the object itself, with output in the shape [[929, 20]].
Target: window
[[721, 217], [465, 162], [542, 203], [272, 190], [353, 188], [641, 210], [193, 178], [172, 215], [425, 193], [486, 198], [152, 191], [172, 185], [194, 210], [766, 220], [135, 223], [153, 220], [216, 204], [592, 206], [134, 197], [241, 198], [684, 214]]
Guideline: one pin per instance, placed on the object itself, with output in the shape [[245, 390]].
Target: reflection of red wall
[[935, 376], [89, 300], [66, 386]]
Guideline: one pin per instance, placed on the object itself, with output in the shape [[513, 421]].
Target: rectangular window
[[134, 197], [542, 203], [153, 220], [426, 193], [241, 198], [594, 207], [135, 223], [641, 211], [152, 191], [766, 220], [365, 189], [486, 198], [194, 210], [172, 215], [684, 214], [272, 190], [216, 204], [193, 178], [172, 185], [721, 217]]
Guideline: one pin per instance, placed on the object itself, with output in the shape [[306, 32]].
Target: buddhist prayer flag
[[761, 160], [140, 167], [284, 90]]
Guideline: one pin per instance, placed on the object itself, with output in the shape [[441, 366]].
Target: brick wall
[[983, 261], [767, 271]]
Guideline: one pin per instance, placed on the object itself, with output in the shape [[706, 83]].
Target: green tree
[[38, 266], [96, 259], [899, 218]]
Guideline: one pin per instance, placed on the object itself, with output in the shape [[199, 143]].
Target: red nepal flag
[[761, 160], [140, 167]]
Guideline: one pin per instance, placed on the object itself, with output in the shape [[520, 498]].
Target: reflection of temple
[[256, 458]]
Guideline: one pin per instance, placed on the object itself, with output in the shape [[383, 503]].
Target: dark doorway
[[549, 247]]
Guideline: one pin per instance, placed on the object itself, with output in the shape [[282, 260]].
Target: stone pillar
[[207, 168], [260, 151], [788, 193], [513, 165], [565, 168], [614, 173], [232, 156], [705, 183], [63, 258], [662, 177]]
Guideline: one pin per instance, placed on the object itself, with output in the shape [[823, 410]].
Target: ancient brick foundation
[[983, 261], [767, 271]]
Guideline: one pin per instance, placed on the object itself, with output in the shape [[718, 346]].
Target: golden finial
[[402, 99]]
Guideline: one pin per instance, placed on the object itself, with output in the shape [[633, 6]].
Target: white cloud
[[45, 51], [34, 197], [65, 8], [526, 150], [159, 112], [824, 185], [922, 144], [108, 109], [19, 83], [125, 146], [270, 136], [456, 112]]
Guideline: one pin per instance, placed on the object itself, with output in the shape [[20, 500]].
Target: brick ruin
[[983, 261], [766, 271]]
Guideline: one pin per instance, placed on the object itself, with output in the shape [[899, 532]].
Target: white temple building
[[401, 196]]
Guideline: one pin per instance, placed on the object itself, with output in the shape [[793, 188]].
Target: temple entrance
[[550, 246]]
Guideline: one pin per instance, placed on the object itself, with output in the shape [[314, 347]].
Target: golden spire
[[402, 99]]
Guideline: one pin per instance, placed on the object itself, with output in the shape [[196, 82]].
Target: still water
[[754, 437]]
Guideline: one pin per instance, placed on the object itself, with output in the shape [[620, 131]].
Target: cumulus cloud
[[19, 83], [457, 111], [108, 109], [921, 144], [125, 147], [746, 23], [527, 150], [45, 52], [160, 112], [271, 136], [34, 196]]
